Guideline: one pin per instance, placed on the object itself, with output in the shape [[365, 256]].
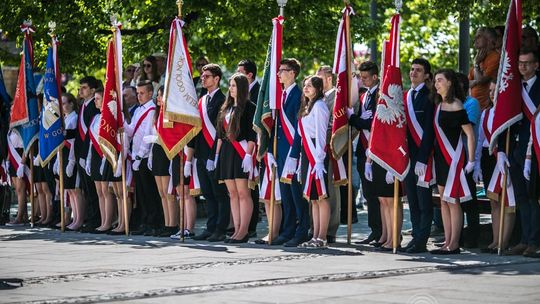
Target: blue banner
[[51, 134]]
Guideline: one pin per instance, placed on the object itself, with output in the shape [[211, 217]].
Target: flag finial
[[52, 28], [398, 4], [179, 3]]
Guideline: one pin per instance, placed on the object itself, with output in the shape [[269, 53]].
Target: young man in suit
[[203, 149], [362, 122], [420, 139], [295, 221], [248, 68]]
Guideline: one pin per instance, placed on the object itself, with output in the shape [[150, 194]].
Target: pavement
[[72, 267]]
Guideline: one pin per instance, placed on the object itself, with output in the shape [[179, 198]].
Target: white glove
[[366, 114], [136, 165], [271, 160], [350, 112], [477, 174], [291, 165], [211, 164], [502, 160], [187, 168], [420, 168], [36, 161], [102, 166], [368, 173], [469, 167], [389, 178], [149, 162], [150, 139], [119, 165], [527, 169], [82, 162], [69, 168], [247, 163], [319, 171], [56, 166], [20, 171], [87, 168]]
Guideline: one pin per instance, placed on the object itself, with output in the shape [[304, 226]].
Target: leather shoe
[[366, 241], [203, 236], [217, 237], [243, 240], [279, 241], [519, 249], [530, 251], [330, 239], [416, 249], [139, 231]]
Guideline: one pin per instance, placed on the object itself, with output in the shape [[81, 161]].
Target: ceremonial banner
[[388, 141], [179, 119], [270, 94], [343, 68], [508, 98], [24, 110], [111, 110], [51, 136]]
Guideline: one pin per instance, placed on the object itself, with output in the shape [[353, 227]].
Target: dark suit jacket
[[364, 124], [81, 145], [202, 150], [424, 109], [291, 108], [254, 93]]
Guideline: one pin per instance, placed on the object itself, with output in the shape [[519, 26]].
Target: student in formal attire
[[71, 175], [236, 145], [362, 122], [88, 110], [100, 170], [162, 168], [451, 164], [419, 109], [249, 69], [201, 147], [19, 173], [190, 205], [334, 195], [310, 140], [295, 221], [197, 81], [527, 205], [146, 192], [483, 171]]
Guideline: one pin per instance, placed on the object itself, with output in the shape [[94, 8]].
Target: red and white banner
[[508, 93], [276, 98], [265, 188], [388, 141], [111, 110], [180, 118]]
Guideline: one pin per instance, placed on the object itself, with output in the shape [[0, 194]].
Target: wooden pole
[[182, 200], [273, 185], [395, 217], [61, 178], [124, 185], [503, 196], [348, 60], [31, 190]]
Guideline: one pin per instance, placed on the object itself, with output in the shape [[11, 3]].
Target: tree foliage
[[227, 31]]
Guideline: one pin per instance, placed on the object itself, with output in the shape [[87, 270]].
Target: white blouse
[[315, 125]]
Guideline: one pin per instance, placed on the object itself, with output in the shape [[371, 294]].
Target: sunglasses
[[147, 65]]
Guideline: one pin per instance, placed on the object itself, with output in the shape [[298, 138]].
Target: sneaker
[[307, 244], [188, 234], [177, 236], [318, 244]]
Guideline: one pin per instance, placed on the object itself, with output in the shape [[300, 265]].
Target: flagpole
[[348, 60], [52, 27], [31, 154], [182, 194], [503, 197]]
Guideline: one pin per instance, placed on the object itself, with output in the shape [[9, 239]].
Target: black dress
[[160, 161], [229, 165], [379, 186], [450, 122], [95, 165], [69, 182]]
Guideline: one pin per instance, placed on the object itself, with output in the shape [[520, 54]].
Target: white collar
[[327, 93], [251, 85], [530, 82], [289, 89], [211, 94], [419, 87]]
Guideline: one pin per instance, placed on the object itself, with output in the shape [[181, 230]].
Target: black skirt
[[313, 194], [487, 165], [176, 172], [160, 161], [38, 174], [69, 182], [95, 166], [379, 185], [229, 164]]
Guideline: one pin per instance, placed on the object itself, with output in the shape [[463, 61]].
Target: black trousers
[[374, 208], [147, 196], [93, 217], [421, 208], [217, 199]]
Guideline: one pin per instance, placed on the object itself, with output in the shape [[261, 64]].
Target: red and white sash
[[93, 132], [194, 183], [493, 187], [339, 171], [309, 148], [265, 189], [241, 148], [208, 129], [456, 188], [364, 134], [83, 128], [428, 179], [528, 105], [141, 119], [15, 158]]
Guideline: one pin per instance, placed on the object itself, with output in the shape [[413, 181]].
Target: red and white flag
[[508, 93], [342, 67], [388, 141], [179, 120], [111, 110]]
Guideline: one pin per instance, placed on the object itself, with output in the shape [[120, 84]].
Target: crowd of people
[[449, 116]]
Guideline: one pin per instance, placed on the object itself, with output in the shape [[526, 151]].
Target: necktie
[[526, 86], [283, 98], [414, 94]]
